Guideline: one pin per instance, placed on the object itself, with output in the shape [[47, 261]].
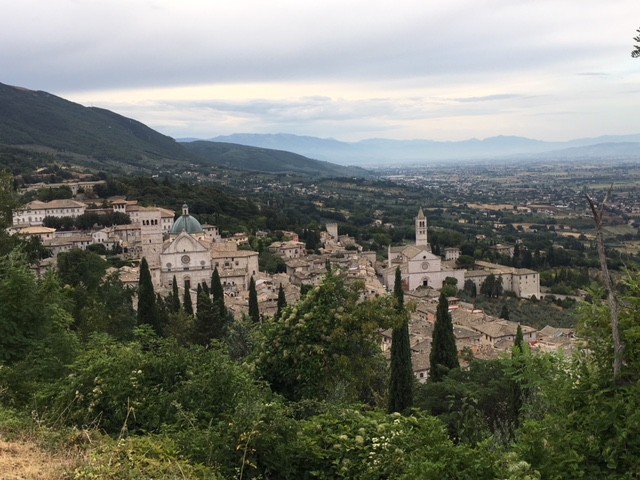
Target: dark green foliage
[[187, 304], [159, 379], [465, 261], [35, 338], [369, 445], [254, 311], [398, 291], [147, 308], [109, 309], [48, 194], [271, 263], [305, 288], [519, 340], [504, 313], [326, 347], [282, 302], [80, 267], [444, 354], [174, 301], [401, 377], [209, 321], [217, 293], [491, 286], [470, 289], [475, 402]]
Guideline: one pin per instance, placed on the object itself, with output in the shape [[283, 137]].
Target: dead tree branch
[[618, 346]]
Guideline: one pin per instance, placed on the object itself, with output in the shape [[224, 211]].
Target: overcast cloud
[[348, 69]]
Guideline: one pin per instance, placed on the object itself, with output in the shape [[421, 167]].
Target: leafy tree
[[147, 308], [109, 310], [475, 402], [326, 347], [450, 287], [77, 267], [271, 263], [504, 313], [465, 261], [305, 288], [444, 353], [401, 385], [282, 302], [48, 194], [470, 288], [492, 286], [35, 338], [254, 311], [636, 48]]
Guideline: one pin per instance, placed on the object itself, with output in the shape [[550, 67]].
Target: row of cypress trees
[[211, 313], [443, 356]]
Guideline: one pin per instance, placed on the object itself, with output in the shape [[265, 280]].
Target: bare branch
[[618, 346]]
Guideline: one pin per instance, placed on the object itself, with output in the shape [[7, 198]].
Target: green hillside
[[50, 128], [256, 159], [38, 119]]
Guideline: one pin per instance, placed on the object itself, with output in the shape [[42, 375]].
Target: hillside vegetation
[[51, 128]]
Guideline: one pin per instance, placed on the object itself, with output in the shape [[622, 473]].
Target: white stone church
[[418, 266]]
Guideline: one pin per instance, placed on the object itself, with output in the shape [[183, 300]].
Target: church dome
[[186, 223]]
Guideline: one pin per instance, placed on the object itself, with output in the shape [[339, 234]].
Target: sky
[[346, 69]]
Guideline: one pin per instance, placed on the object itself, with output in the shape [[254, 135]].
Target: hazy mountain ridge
[[377, 150], [101, 139]]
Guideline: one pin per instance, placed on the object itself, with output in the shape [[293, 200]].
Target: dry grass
[[25, 460]]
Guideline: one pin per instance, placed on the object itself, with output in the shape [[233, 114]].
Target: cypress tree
[[282, 302], [401, 381], [216, 287], [205, 324], [519, 340], [254, 311], [504, 313], [187, 304], [147, 308], [444, 353], [175, 297], [205, 288]]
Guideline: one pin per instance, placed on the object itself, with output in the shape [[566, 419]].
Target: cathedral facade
[[418, 266]]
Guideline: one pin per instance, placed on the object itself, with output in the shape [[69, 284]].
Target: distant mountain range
[[37, 126], [394, 152], [38, 123]]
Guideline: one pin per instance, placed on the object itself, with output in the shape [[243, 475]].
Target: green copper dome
[[186, 223]]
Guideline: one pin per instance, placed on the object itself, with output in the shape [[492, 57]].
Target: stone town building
[[34, 212], [418, 266], [288, 249], [523, 282]]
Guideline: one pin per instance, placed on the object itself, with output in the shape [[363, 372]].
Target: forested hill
[[257, 159], [38, 121]]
